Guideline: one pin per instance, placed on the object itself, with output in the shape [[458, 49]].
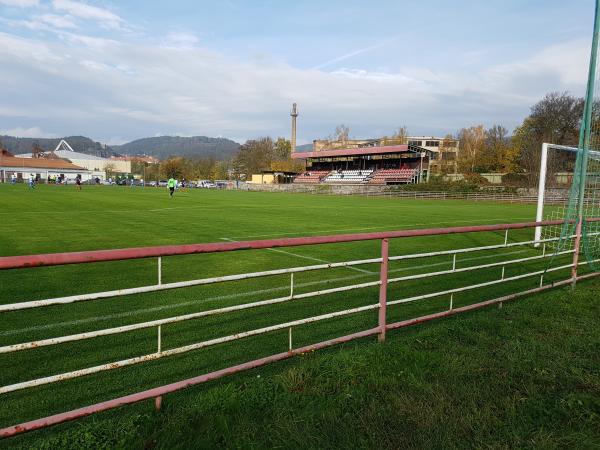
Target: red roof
[[37, 163], [352, 152]]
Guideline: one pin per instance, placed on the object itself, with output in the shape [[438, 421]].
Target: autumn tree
[[255, 155], [220, 171], [109, 170], [282, 149], [173, 168], [401, 134], [472, 142], [556, 119], [495, 151], [341, 133]]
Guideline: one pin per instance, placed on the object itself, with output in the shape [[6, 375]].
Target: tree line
[[556, 119], [254, 156]]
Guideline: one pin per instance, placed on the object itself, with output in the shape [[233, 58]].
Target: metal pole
[[383, 288], [159, 339], [584, 136], [576, 253], [541, 193], [159, 270]]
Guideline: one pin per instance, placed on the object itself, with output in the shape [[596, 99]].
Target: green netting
[[584, 197]]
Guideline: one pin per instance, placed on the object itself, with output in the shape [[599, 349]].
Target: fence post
[[578, 232], [383, 288], [159, 270]]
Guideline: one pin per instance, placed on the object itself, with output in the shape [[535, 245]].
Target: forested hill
[[191, 147], [18, 145]]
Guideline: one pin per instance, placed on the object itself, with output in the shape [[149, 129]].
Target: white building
[[40, 168], [96, 164]]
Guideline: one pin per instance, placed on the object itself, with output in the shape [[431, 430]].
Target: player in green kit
[[171, 184]]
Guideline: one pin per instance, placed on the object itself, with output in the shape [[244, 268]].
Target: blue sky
[[116, 71]]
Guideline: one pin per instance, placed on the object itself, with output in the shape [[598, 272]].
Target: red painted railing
[[14, 262]]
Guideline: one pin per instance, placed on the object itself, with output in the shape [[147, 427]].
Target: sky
[[120, 70]]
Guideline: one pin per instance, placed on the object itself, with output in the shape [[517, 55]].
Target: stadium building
[[389, 164], [40, 168], [96, 165]]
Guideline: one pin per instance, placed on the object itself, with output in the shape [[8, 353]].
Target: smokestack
[[294, 114]]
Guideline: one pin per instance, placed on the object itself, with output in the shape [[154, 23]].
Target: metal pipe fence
[[383, 304], [554, 196]]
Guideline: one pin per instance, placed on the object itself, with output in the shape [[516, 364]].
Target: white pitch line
[[305, 257], [301, 233], [225, 297]]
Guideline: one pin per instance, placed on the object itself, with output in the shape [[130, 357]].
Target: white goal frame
[[539, 216]]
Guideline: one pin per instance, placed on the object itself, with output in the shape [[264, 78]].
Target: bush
[[516, 179], [475, 178]]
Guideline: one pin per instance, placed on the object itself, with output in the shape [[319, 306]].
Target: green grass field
[[429, 386]]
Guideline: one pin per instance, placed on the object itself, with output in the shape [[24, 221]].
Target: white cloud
[[181, 40], [90, 12], [20, 3], [105, 88], [33, 132], [57, 21]]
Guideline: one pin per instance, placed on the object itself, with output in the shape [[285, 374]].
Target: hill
[[192, 147], [304, 148], [18, 145]]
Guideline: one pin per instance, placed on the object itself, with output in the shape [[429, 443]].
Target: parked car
[[162, 183], [206, 184]]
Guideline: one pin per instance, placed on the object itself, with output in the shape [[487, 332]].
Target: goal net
[[583, 201]]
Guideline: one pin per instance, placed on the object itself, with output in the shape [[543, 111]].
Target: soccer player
[[31, 182], [171, 185]]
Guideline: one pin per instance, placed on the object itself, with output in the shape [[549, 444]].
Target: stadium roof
[[76, 155], [356, 151], [37, 163], [66, 154]]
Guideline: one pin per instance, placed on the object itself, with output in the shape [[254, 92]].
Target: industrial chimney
[[294, 114]]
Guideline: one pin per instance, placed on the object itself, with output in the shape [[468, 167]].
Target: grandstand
[[311, 177], [393, 164], [349, 176], [395, 176]]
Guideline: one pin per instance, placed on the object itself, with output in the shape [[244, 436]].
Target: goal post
[[557, 174], [542, 183]]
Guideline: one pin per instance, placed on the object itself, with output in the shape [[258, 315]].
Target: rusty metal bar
[[55, 259]]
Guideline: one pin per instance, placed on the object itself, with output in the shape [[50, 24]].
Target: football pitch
[[61, 219]]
